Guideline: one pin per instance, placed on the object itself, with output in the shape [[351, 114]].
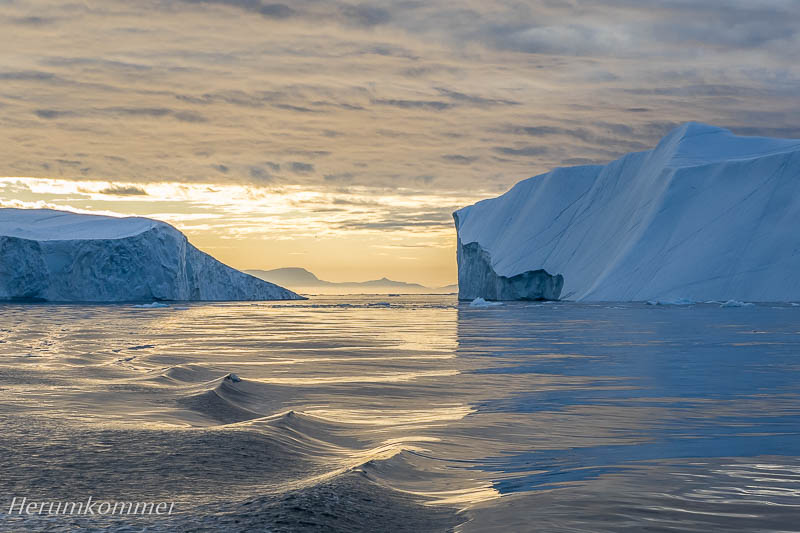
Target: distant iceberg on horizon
[[58, 256], [705, 215]]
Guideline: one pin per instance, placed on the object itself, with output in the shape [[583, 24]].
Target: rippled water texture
[[406, 414]]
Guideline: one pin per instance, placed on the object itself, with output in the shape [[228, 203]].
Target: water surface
[[408, 413]]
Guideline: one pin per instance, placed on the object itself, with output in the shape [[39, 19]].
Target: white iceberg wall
[[147, 260], [705, 215]]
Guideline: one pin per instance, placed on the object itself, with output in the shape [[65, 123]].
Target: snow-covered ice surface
[[56, 256], [706, 215]]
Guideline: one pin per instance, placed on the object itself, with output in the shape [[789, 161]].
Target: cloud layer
[[435, 97]]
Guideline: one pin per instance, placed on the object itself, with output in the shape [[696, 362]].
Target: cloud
[[189, 116], [32, 21], [26, 75], [474, 100], [569, 39], [342, 176], [407, 90], [460, 159], [299, 167], [269, 10], [526, 151], [51, 113], [434, 105], [260, 175], [124, 190], [365, 15], [397, 220], [149, 112]]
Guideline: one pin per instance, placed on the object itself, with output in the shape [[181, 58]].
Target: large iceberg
[[56, 256], [706, 215]]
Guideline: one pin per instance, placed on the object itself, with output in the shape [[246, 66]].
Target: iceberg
[[705, 215], [480, 302], [737, 303], [57, 256]]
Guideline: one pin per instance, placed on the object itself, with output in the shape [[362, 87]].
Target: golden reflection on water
[[478, 409]]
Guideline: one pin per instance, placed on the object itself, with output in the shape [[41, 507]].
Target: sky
[[340, 136]]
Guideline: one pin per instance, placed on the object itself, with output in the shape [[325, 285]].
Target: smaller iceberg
[[671, 301], [737, 303], [154, 305], [480, 302]]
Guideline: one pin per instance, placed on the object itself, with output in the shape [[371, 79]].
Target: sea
[[402, 413]]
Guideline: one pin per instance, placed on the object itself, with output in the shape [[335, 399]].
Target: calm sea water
[[407, 413]]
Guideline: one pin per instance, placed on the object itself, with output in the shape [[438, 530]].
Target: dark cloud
[[27, 75], [188, 116], [297, 108], [138, 111], [269, 10], [237, 98], [598, 133], [308, 153], [788, 132], [94, 62], [527, 151], [33, 21], [153, 112], [474, 100], [259, 174], [299, 167], [460, 159], [414, 104], [51, 113], [365, 15], [124, 190], [579, 161], [395, 220], [343, 176]]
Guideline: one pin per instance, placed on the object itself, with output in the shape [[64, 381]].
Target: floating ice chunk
[[671, 301], [736, 303], [154, 305], [480, 302]]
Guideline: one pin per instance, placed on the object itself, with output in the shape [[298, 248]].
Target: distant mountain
[[300, 278]]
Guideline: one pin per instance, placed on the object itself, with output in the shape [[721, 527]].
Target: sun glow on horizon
[[342, 234]]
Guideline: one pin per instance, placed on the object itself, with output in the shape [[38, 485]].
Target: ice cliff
[[57, 256], [705, 215]]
